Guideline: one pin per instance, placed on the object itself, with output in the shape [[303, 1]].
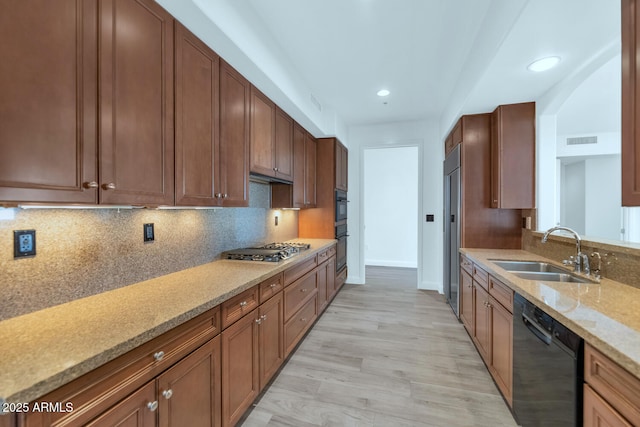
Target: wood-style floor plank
[[383, 354]]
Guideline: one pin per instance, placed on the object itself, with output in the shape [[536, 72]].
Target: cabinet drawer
[[299, 270], [296, 295], [236, 307], [617, 386], [295, 328], [501, 292], [270, 287], [324, 256], [481, 276], [466, 264], [100, 389]]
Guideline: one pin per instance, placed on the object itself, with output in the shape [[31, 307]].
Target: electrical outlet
[[24, 243], [148, 233]]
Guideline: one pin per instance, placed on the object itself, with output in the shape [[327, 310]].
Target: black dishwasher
[[547, 369]]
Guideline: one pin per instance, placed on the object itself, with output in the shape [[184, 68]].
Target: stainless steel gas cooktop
[[273, 252]]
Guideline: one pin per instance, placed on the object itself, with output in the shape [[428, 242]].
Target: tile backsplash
[[82, 252]]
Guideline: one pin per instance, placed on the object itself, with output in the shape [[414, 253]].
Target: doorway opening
[[391, 196]]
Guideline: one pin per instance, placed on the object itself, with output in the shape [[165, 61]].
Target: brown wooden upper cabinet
[[513, 156], [271, 138], [342, 167], [310, 156], [52, 118], [454, 138], [202, 177], [197, 121], [234, 137], [630, 93]]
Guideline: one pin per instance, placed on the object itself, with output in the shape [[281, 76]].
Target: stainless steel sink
[[533, 266], [549, 276]]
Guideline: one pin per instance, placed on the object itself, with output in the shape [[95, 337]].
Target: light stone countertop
[[44, 350], [606, 315]]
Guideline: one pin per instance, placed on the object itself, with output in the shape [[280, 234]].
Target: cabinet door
[[323, 292], [240, 373], [234, 137], [482, 326], [136, 103], [271, 338], [48, 102], [598, 413], [466, 301], [263, 128], [630, 106], [284, 145], [342, 167], [311, 147], [189, 392], [298, 166], [197, 120], [137, 410], [513, 154], [501, 347]]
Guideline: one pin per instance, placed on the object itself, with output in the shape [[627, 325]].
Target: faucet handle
[[570, 261]]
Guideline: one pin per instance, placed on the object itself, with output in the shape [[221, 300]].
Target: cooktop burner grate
[[272, 252]]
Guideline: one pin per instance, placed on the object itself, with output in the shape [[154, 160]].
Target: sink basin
[[549, 276], [532, 266]]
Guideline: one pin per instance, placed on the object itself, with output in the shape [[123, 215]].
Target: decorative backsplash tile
[[82, 252]]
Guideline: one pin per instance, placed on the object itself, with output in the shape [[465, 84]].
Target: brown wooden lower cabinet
[[137, 410], [186, 394], [299, 324], [466, 301], [271, 338], [240, 374], [598, 413], [501, 348], [489, 323], [612, 394]]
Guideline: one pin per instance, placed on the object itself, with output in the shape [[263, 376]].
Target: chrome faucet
[[580, 261]]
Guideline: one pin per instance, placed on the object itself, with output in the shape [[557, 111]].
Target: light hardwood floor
[[384, 354]]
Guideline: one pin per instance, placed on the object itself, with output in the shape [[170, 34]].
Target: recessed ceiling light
[[544, 64], [383, 92]]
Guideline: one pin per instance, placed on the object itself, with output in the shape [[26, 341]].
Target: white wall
[[603, 200], [421, 134], [391, 206], [572, 196]]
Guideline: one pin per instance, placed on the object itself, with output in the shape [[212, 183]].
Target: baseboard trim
[[385, 263]]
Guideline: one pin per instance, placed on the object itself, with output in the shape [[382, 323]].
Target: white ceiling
[[439, 58]]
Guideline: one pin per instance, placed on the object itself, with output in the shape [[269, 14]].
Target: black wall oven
[[341, 205]]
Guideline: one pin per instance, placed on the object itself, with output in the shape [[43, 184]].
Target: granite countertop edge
[[600, 316], [18, 382]]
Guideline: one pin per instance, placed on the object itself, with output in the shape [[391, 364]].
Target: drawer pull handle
[[243, 304], [273, 285], [158, 356], [152, 405], [303, 290], [167, 394], [263, 317], [258, 321], [304, 319]]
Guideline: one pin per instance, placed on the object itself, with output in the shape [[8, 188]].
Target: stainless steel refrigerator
[[452, 229]]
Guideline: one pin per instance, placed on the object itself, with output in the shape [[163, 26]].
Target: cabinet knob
[[258, 321], [304, 319], [109, 186], [275, 169], [303, 290], [273, 285], [263, 317], [218, 195], [91, 184], [225, 195], [167, 394], [495, 201], [243, 304], [158, 355], [152, 405]]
